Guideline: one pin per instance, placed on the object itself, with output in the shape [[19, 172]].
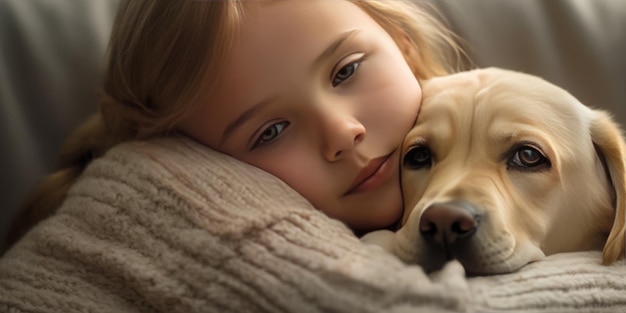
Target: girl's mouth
[[372, 175]]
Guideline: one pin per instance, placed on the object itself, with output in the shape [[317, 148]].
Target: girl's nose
[[342, 132]]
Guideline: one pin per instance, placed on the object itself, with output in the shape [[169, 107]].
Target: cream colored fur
[[473, 124]]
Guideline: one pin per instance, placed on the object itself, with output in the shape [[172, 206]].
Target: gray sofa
[[52, 50]]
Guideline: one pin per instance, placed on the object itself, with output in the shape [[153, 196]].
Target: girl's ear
[[609, 142]]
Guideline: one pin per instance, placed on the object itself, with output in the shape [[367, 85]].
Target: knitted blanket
[[170, 226]]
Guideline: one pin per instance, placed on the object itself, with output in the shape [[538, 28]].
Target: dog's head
[[503, 168]]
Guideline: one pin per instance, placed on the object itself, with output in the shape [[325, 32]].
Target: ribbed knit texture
[[566, 282], [170, 226]]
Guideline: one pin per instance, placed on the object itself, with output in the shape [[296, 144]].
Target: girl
[[318, 93]]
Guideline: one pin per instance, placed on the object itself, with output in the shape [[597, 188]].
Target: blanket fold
[[171, 226]]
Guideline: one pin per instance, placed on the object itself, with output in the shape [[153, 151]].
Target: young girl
[[317, 93]]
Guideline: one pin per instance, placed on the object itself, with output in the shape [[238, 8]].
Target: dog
[[504, 168]]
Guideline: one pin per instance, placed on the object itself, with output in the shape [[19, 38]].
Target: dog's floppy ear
[[607, 138]]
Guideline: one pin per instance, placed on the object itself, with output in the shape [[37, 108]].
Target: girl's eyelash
[[345, 72], [270, 134]]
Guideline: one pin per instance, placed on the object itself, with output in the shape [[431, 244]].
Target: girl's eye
[[270, 134], [345, 72]]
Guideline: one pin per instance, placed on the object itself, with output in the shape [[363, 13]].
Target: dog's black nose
[[448, 222]]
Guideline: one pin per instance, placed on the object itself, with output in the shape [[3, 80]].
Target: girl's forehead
[[299, 12], [292, 34]]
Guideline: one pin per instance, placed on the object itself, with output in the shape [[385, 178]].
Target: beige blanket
[[170, 226]]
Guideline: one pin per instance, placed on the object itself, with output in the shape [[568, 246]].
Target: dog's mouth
[[456, 230], [482, 256]]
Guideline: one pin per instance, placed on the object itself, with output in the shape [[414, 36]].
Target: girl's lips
[[372, 175]]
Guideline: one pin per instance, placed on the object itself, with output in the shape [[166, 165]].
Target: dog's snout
[[448, 222]]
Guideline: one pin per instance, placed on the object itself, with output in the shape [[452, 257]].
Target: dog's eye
[[417, 157], [528, 158]]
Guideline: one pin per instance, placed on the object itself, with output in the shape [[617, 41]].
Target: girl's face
[[318, 94]]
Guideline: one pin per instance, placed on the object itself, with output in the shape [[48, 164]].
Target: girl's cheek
[[295, 164]]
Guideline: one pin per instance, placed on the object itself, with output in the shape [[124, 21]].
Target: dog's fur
[[473, 132]]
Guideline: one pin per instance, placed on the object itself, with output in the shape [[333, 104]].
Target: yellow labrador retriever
[[503, 168]]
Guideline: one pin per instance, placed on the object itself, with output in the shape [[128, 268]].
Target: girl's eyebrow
[[335, 45], [244, 117]]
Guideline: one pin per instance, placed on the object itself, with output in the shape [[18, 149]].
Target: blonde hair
[[163, 61]]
